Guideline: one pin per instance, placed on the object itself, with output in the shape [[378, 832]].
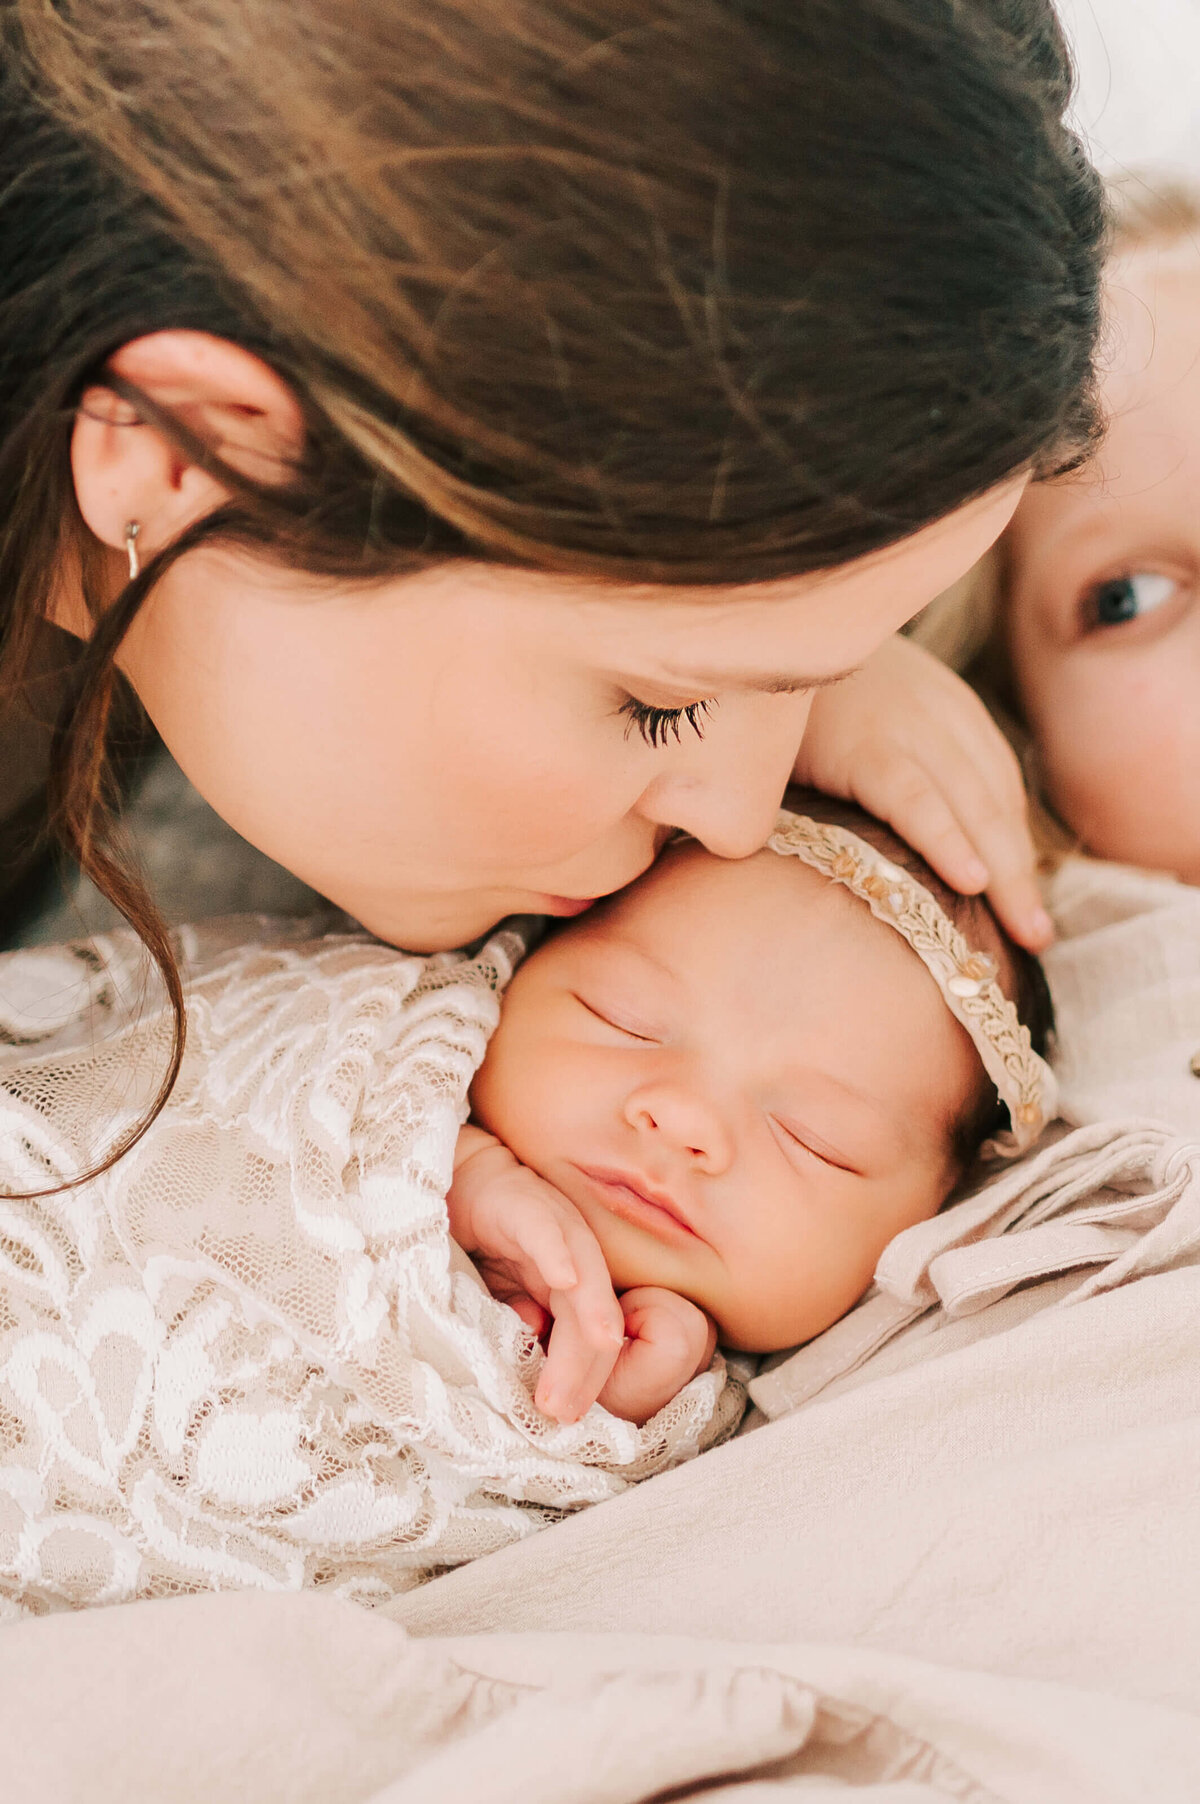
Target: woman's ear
[[125, 470]]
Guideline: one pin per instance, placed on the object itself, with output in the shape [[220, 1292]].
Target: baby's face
[[744, 1082], [1105, 587]]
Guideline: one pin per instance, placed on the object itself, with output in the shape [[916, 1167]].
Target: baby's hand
[[535, 1251], [669, 1341], [910, 742]]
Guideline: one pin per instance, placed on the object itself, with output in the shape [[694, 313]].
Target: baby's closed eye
[[799, 1138], [618, 1017]]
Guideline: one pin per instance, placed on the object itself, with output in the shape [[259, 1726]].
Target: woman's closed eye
[[656, 725], [1122, 599]]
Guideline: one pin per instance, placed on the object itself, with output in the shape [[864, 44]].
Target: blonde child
[[1083, 633]]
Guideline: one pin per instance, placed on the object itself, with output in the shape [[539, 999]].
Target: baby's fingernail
[[975, 873]]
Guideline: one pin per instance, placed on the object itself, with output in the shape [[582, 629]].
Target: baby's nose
[[689, 1122]]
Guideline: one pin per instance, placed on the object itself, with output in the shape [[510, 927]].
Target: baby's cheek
[[519, 1095], [491, 1088], [809, 1273]]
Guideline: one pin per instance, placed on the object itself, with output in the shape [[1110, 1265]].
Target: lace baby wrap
[[250, 1355]]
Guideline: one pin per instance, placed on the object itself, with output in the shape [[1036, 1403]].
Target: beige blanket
[[961, 1565], [303, 1700]]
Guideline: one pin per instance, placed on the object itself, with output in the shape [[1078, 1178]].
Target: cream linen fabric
[[304, 1700], [1125, 977], [248, 1355]]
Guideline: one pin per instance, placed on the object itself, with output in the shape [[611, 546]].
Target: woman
[[480, 433]]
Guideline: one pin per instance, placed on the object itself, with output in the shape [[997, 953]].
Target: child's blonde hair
[[964, 626]]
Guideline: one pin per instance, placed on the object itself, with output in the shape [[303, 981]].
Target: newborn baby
[[722, 1093], [248, 1351]]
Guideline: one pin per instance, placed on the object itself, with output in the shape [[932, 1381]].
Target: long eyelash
[[654, 724]]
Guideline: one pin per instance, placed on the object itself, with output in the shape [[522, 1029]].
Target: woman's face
[[1105, 588], [439, 751]]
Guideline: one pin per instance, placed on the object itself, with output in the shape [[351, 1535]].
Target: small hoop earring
[[131, 535]]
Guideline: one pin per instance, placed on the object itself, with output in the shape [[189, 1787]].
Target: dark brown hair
[[689, 291]]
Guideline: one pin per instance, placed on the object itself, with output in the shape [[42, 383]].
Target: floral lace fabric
[[250, 1355]]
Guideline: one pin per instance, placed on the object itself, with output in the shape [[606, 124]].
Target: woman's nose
[[684, 1121], [728, 792]]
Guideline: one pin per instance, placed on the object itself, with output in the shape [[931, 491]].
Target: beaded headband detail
[[966, 978]]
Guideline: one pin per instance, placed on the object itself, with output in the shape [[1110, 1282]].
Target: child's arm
[[536, 1253], [910, 742]]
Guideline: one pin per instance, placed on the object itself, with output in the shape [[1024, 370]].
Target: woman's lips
[[626, 1195], [564, 905]]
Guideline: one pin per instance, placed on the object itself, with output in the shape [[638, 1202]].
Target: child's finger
[[987, 814], [1007, 850], [901, 791], [986, 791], [972, 838]]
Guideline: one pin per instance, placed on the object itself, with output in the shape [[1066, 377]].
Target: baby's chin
[[739, 1331]]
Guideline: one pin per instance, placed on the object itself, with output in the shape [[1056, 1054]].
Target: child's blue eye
[[1125, 598], [654, 724]]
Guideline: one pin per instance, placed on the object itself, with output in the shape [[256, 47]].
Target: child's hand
[[669, 1341], [536, 1252], [911, 743]]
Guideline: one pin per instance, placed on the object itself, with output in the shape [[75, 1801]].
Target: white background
[[1139, 74]]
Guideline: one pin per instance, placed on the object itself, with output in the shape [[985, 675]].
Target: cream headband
[[966, 979]]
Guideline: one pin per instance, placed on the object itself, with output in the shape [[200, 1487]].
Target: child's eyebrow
[[763, 682]]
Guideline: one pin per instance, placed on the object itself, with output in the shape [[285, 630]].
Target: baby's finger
[[593, 1300], [576, 1369], [535, 1318], [540, 1243]]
